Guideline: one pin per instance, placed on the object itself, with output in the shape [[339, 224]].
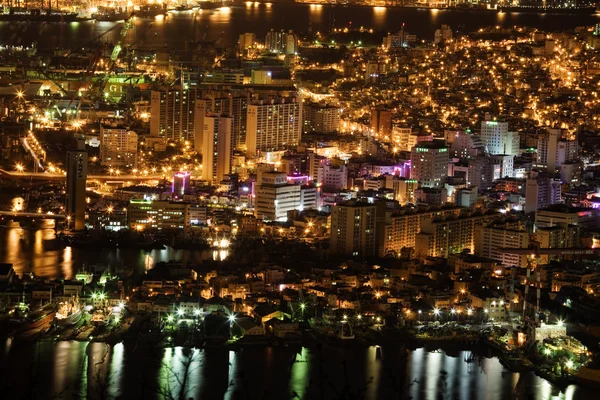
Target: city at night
[[300, 199]]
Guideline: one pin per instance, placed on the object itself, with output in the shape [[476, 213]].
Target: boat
[[69, 313], [100, 316], [110, 14], [22, 320], [548, 10], [150, 11], [214, 5], [38, 15]]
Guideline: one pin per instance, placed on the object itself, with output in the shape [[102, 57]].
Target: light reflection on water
[[80, 370], [29, 251]]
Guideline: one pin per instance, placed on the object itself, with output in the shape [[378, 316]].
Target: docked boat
[[22, 319], [101, 316], [38, 15], [214, 4], [150, 11], [548, 10], [110, 14], [69, 313]]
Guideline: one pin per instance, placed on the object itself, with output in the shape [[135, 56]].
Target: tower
[[76, 181]]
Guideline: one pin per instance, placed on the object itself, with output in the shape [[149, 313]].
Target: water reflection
[[82, 370], [33, 251]]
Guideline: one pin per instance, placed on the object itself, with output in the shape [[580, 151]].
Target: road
[[59, 177]]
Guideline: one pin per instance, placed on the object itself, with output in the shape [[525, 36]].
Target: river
[[82, 370], [172, 32]]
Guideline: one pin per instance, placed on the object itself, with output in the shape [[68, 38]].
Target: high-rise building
[[503, 164], [172, 113], [552, 152], [275, 197], [118, 147], [322, 118], [541, 191], [246, 40], [353, 229], [76, 166], [403, 225], [281, 42], [332, 178], [492, 240], [440, 237], [497, 138], [429, 164], [217, 147], [234, 105], [273, 125], [381, 122], [466, 145], [560, 236]]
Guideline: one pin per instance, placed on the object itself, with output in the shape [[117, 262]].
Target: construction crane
[[96, 88]]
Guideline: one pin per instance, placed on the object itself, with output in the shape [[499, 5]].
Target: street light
[[20, 167], [170, 318], [180, 312]]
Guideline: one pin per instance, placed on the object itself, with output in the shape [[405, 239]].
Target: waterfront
[[71, 369], [259, 18], [25, 249]]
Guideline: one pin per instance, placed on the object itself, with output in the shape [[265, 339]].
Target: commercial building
[[331, 177], [429, 164], [273, 125], [217, 147], [160, 215], [76, 168], [498, 140], [275, 197], [172, 113], [564, 215], [118, 147], [353, 229]]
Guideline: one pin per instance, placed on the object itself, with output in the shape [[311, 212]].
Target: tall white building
[[273, 125], [275, 197], [429, 164], [216, 152], [552, 152], [504, 166], [332, 177], [118, 147], [541, 191], [172, 113], [498, 140], [465, 145], [223, 103]]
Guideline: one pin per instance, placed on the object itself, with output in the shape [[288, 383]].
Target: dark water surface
[[177, 28], [83, 370]]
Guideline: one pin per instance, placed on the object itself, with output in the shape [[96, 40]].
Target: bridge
[[47, 176], [25, 215]]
